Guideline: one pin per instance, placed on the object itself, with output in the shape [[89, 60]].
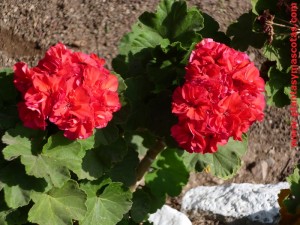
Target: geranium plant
[[85, 145]]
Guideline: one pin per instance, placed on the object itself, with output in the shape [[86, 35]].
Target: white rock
[[169, 216], [256, 202]]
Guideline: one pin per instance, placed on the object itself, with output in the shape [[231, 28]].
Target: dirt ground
[[28, 28]]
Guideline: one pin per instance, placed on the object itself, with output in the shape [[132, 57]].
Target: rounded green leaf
[[59, 155], [174, 21], [106, 135], [223, 164], [8, 92], [242, 40], [60, 206], [42, 166], [293, 201], [17, 185], [169, 174], [125, 170], [22, 141], [108, 206], [141, 205], [275, 87]]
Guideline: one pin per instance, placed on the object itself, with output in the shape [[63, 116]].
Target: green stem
[[147, 161]]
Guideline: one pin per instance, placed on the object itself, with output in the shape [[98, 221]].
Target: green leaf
[[60, 206], [141, 141], [14, 216], [8, 97], [137, 141], [3, 215], [108, 206], [22, 141], [223, 164], [17, 145], [43, 166], [162, 74], [16, 197], [186, 59], [242, 40], [58, 157], [64, 151], [125, 170], [294, 181], [107, 135], [113, 153], [137, 94], [174, 21], [211, 30], [275, 87], [254, 8], [278, 51], [157, 200], [122, 86], [131, 65], [141, 205], [140, 38], [148, 109], [129, 221], [166, 69], [8, 92], [99, 160], [138, 89], [121, 117], [159, 118], [1, 185], [17, 185], [9, 117], [169, 174], [92, 166], [88, 143], [293, 201], [4, 210]]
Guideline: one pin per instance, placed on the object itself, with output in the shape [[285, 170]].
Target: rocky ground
[[28, 28]]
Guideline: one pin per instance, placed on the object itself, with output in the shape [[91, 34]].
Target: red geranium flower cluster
[[70, 89], [221, 98]]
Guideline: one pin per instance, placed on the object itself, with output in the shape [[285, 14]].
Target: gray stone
[[245, 203], [169, 216]]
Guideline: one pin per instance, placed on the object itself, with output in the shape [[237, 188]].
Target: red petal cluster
[[70, 89], [221, 98]]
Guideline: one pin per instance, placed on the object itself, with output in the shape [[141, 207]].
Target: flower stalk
[[147, 161]]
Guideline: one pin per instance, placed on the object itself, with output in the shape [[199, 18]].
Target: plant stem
[[278, 25], [284, 21], [147, 161]]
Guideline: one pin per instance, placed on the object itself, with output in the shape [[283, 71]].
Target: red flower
[[70, 89], [188, 137], [191, 101], [221, 98]]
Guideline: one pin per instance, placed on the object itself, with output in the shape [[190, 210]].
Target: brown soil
[[28, 28]]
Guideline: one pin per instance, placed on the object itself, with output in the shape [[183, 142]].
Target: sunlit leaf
[[169, 174], [59, 206], [223, 164], [106, 203]]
